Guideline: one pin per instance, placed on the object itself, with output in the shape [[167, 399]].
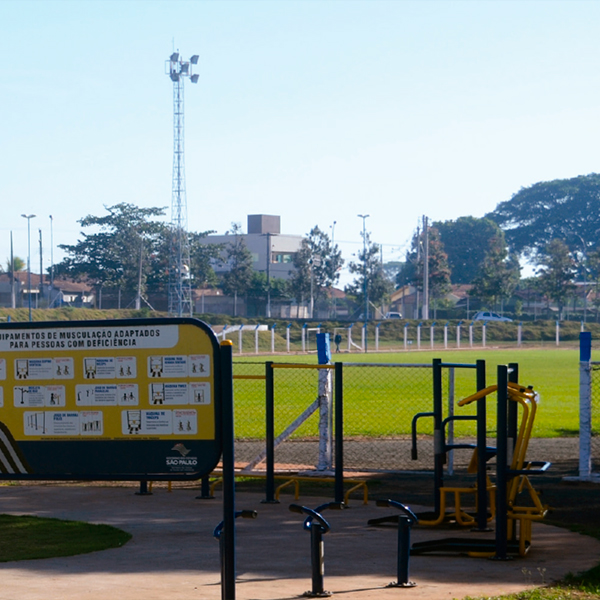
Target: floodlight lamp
[[185, 67], [174, 76], [194, 78], [194, 59], [174, 56]]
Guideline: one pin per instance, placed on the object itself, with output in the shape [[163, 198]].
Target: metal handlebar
[[245, 514], [401, 507], [311, 514], [413, 450]]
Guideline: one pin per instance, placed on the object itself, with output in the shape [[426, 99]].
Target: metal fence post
[[339, 432], [270, 433], [585, 404], [438, 432], [228, 565]]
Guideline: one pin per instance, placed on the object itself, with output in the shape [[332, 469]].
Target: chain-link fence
[[595, 415], [379, 404]]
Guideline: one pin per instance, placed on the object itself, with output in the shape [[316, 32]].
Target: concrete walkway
[[173, 555]]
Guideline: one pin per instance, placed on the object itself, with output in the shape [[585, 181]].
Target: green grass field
[[379, 402]]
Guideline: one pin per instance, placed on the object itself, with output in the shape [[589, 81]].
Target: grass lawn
[[27, 537], [379, 402]]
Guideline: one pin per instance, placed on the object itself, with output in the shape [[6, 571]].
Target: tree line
[[553, 225]]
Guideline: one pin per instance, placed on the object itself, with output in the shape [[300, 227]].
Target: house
[[63, 292]]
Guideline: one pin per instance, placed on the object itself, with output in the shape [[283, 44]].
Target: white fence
[[255, 339]]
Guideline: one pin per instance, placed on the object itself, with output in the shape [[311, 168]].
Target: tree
[[238, 279], [439, 271], [499, 273], [18, 264], [593, 274], [466, 241], [564, 209], [202, 257], [128, 241], [557, 273], [370, 275], [317, 266]]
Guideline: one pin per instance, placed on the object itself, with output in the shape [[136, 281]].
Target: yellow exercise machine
[[513, 517]]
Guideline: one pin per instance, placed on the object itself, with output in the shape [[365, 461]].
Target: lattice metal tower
[[180, 287]]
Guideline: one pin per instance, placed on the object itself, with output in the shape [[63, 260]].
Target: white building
[[272, 252]]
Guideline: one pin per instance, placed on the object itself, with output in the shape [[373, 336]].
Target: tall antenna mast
[[180, 288]]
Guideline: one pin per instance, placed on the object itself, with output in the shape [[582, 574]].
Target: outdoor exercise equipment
[[318, 527], [245, 514], [406, 520], [513, 521], [441, 448]]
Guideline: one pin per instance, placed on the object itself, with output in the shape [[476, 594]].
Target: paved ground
[[173, 555]]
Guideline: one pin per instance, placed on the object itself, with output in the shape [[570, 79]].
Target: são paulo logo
[[183, 462]]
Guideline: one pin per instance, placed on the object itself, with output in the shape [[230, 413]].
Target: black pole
[[404, 526], [513, 409], [339, 432], [438, 434], [270, 433], [481, 450], [228, 564], [205, 489], [501, 465], [317, 558]]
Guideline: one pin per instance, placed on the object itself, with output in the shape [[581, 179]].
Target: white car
[[393, 315], [486, 315]]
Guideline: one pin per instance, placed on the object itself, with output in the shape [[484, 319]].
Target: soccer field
[[554, 373]]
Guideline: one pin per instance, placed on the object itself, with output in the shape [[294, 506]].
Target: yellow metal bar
[[480, 394], [214, 484], [285, 484], [360, 484], [300, 366]]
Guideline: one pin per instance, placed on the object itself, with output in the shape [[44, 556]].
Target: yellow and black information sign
[[132, 399]]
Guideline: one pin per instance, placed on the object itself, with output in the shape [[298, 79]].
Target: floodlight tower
[[180, 289]]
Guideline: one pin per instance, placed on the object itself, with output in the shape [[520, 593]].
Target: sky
[[314, 110]]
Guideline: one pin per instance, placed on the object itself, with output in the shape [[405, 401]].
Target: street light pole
[[365, 285], [29, 217]]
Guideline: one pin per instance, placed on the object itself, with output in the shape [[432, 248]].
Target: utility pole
[[416, 312], [28, 217], [180, 289], [41, 268], [268, 234], [365, 283], [13, 296], [425, 312], [332, 250], [51, 261]]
